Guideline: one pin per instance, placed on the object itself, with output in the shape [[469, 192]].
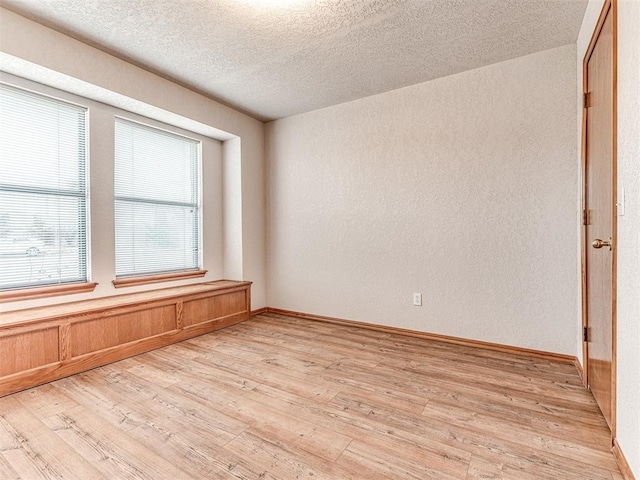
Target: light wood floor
[[282, 398]]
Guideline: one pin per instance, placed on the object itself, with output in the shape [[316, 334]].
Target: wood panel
[[103, 333], [599, 199], [28, 350], [44, 344], [202, 310], [279, 397], [99, 306]]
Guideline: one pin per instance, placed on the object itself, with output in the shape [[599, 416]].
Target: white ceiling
[[273, 61]]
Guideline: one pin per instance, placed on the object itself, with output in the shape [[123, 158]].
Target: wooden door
[[599, 237]]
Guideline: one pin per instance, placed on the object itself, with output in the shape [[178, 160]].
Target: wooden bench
[[42, 344]]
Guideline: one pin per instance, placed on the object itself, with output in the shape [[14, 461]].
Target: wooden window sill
[[166, 277], [42, 292]]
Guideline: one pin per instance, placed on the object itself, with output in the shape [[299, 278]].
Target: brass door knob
[[597, 243]]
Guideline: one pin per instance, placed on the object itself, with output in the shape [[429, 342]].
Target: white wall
[[38, 53], [628, 306], [462, 189]]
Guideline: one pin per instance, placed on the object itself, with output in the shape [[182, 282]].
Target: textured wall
[[55, 56], [462, 189], [628, 397]]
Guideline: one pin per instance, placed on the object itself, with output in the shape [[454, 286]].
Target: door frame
[[610, 6]]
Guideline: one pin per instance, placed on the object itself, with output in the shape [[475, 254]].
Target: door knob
[[597, 243]]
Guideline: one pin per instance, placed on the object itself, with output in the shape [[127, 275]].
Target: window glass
[[43, 192], [156, 201]]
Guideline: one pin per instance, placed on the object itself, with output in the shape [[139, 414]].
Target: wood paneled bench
[[38, 345]]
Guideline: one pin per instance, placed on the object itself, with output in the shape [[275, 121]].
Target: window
[[43, 191], [157, 201]]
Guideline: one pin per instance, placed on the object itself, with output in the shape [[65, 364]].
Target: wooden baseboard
[[580, 370], [625, 469], [259, 311], [556, 357]]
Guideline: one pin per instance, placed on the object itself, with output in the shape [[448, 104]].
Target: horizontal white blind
[[43, 194], [156, 201]]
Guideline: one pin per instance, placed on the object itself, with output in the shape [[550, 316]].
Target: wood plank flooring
[[283, 398]]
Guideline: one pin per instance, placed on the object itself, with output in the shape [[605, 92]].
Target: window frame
[[83, 283], [129, 280]]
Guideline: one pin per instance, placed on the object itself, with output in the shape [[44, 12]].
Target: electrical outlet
[[417, 299]]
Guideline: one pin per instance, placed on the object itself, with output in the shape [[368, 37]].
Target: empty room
[[320, 239]]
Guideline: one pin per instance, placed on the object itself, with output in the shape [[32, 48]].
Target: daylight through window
[[157, 201], [43, 193]]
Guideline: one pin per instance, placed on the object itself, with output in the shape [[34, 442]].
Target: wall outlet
[[417, 299]]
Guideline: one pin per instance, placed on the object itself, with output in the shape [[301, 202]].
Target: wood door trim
[[610, 6], [625, 469], [580, 370]]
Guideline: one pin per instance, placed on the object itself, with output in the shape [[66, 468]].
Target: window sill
[[42, 292], [166, 277]]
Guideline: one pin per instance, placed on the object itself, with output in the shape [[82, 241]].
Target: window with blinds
[[157, 201], [43, 190]]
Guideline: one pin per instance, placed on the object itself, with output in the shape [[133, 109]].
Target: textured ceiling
[[292, 56]]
